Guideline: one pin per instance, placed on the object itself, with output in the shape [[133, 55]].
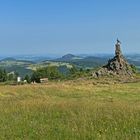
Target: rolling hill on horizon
[[24, 67]]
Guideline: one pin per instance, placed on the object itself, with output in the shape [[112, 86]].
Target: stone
[[117, 66]]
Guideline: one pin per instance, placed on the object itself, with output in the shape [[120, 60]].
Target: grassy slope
[[70, 111]]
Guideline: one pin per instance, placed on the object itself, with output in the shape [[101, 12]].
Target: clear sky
[[68, 26]]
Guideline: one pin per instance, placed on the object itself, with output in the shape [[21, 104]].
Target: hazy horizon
[[51, 56], [60, 27]]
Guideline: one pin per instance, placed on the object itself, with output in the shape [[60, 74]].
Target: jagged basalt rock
[[116, 66]]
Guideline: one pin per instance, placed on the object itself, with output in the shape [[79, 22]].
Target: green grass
[[48, 63], [70, 111]]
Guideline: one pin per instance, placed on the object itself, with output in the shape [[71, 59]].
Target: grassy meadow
[[75, 110]]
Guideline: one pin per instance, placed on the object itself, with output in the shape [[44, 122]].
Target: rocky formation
[[116, 66]]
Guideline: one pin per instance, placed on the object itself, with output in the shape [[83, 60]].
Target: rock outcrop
[[116, 66]]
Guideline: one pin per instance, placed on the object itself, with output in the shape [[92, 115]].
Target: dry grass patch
[[70, 111]]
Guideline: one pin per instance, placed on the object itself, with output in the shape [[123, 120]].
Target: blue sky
[[68, 26]]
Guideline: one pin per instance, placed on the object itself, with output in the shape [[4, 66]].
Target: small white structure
[[44, 80], [18, 79]]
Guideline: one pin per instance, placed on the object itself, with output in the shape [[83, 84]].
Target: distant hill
[[90, 62], [68, 57], [134, 62], [134, 59], [84, 62], [94, 61], [8, 59], [26, 66], [19, 66]]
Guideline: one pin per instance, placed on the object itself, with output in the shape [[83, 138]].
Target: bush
[[51, 72]]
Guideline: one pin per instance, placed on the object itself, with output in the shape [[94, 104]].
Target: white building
[[18, 79]]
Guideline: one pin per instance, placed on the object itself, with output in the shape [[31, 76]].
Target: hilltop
[[68, 57]]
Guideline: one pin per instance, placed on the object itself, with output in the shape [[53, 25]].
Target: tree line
[[4, 76], [50, 72]]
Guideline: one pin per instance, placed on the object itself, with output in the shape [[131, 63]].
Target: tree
[[35, 77], [11, 77], [73, 70], [27, 78], [3, 75], [50, 72]]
